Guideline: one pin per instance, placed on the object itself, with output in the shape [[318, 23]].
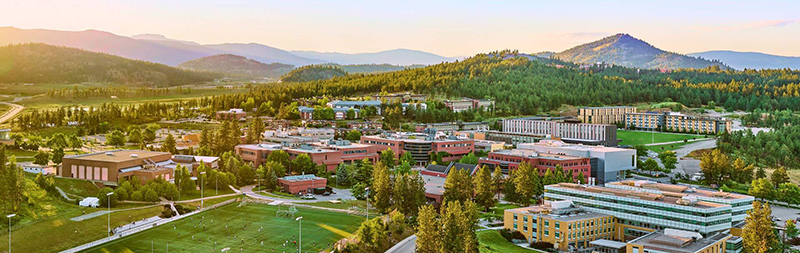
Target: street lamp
[[201, 189], [108, 195], [300, 236], [9, 230]]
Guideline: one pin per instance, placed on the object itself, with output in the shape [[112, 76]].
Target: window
[[546, 233], [546, 223], [515, 217]]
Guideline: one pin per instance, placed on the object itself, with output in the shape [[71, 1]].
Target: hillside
[[751, 60], [625, 50], [235, 65], [374, 68], [313, 73], [402, 57], [263, 53], [41, 63]]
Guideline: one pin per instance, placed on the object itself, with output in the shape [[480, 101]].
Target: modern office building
[[609, 115], [641, 211], [676, 122], [422, 145], [678, 241], [511, 159], [594, 134], [566, 226], [451, 127], [110, 166], [302, 184], [611, 163]]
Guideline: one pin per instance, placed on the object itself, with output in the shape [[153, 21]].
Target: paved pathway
[[90, 215], [343, 194], [408, 245], [63, 194], [15, 109]]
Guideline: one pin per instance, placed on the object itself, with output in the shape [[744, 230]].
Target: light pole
[[9, 230], [108, 196], [300, 235], [201, 189], [179, 185], [367, 191]]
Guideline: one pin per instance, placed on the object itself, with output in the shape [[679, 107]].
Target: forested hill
[[313, 73], [522, 86], [625, 50], [42, 63], [235, 65], [374, 68]]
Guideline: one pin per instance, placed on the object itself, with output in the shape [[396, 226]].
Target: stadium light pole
[[366, 189], [300, 236], [9, 230], [201, 189], [108, 196]]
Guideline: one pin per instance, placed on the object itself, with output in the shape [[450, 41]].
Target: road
[[408, 245], [15, 109], [341, 194]]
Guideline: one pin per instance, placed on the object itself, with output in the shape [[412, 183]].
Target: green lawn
[[320, 228], [637, 137], [491, 241], [42, 102], [77, 187], [662, 148], [207, 193], [497, 211], [58, 232]]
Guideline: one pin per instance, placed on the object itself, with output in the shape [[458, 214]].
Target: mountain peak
[[626, 50]]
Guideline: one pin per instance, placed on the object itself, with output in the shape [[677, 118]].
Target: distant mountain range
[[751, 60], [160, 49], [625, 50], [235, 65], [402, 57], [43, 63]]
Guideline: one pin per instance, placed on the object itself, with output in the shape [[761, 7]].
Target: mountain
[[751, 60], [402, 57], [159, 37], [237, 66], [263, 53], [625, 50], [313, 73], [42, 63], [373, 68]]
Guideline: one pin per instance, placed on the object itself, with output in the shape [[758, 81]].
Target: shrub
[[511, 235]]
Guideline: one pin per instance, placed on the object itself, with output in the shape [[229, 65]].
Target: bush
[[546, 246], [512, 235], [167, 212]]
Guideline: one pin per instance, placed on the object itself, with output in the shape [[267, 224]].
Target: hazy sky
[[449, 28]]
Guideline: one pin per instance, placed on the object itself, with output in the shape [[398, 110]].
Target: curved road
[[15, 109]]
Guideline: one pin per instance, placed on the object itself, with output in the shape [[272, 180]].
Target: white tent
[[90, 201]]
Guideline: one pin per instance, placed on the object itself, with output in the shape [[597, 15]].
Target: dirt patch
[[697, 154]]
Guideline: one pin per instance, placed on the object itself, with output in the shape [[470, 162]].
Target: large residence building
[[676, 122], [422, 146], [594, 134], [608, 164], [609, 115]]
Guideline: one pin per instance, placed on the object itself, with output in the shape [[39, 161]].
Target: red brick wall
[[295, 187]]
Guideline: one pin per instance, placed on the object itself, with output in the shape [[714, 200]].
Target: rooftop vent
[[134, 155], [109, 153]]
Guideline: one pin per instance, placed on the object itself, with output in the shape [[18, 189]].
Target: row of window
[[639, 204]]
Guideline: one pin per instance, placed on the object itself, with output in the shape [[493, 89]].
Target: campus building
[[110, 166], [232, 114], [608, 164], [512, 138], [609, 115], [469, 103], [560, 223], [511, 159], [677, 241], [434, 176], [594, 134], [676, 122], [329, 153], [400, 97], [339, 104], [302, 184], [451, 127], [339, 113], [642, 210], [422, 146]]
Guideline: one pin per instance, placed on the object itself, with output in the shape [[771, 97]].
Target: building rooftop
[[119, 155], [355, 103], [527, 153], [665, 197], [262, 146], [300, 178], [310, 149], [606, 107], [559, 210], [681, 190], [677, 241], [433, 184], [561, 144]]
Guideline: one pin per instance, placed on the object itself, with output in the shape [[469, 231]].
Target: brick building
[[302, 184], [232, 114], [110, 166], [422, 146], [511, 159]]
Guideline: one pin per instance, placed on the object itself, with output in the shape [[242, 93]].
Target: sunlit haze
[[449, 28]]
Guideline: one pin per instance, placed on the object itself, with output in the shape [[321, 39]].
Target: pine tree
[[452, 216], [779, 176], [428, 237], [381, 188], [484, 188], [387, 158], [527, 183], [497, 180], [169, 145], [758, 234], [457, 186]]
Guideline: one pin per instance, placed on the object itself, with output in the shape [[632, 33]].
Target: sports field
[[207, 231], [640, 137]]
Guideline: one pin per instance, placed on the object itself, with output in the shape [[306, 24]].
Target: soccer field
[[637, 137], [200, 232]]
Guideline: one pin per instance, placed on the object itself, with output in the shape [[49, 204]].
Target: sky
[[448, 28]]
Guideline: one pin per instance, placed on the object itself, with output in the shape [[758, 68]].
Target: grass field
[[320, 229], [492, 242], [664, 147], [41, 102], [636, 137], [58, 232]]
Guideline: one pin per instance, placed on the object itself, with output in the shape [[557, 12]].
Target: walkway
[[15, 109], [343, 194], [408, 245], [64, 194]]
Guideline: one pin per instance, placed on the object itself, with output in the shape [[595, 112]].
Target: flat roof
[[433, 184], [571, 213], [609, 244], [534, 154], [645, 196], [263, 146], [564, 145], [660, 241], [682, 189], [606, 107], [120, 155], [300, 178]]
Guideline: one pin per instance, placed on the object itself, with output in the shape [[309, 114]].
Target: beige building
[[678, 241], [561, 223], [604, 115], [110, 166], [675, 122]]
